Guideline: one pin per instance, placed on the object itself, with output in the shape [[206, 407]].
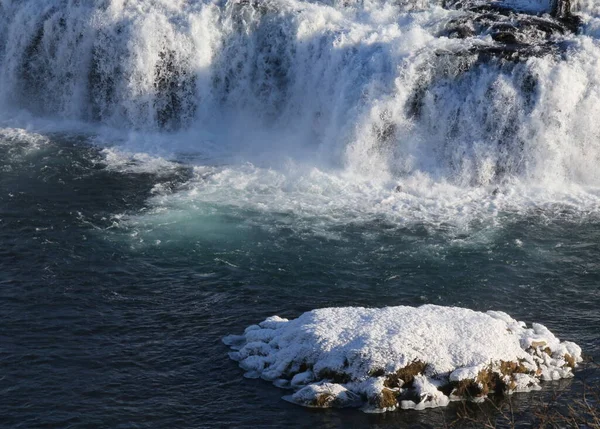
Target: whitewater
[[174, 171], [319, 108]]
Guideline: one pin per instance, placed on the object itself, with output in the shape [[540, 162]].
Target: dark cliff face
[[561, 8], [516, 34]]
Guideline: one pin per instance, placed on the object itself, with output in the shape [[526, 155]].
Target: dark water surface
[[98, 330]]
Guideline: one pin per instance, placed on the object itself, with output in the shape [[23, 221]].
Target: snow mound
[[382, 359]]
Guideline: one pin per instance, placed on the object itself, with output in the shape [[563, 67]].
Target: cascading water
[[469, 94]]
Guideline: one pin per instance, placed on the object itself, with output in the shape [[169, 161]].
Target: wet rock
[[175, 87], [505, 37], [517, 35]]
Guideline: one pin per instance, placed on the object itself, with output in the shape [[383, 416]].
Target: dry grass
[[510, 368], [487, 381], [406, 375], [387, 399], [570, 360], [490, 381], [553, 412], [324, 400]]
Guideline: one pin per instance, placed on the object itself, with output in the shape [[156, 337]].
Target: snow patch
[[407, 357]]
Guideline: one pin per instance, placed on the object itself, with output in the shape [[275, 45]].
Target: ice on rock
[[407, 357], [302, 378], [429, 396], [325, 395]]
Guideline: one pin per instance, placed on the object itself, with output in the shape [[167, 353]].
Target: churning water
[[173, 171]]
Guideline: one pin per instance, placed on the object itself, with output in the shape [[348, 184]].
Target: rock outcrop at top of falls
[[516, 32]]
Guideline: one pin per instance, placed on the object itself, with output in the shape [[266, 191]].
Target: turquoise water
[[114, 307]]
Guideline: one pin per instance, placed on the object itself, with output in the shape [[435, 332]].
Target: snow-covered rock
[[404, 357]]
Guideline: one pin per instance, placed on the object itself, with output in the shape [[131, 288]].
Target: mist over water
[[378, 88], [176, 170]]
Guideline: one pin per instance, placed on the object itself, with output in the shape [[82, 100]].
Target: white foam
[[293, 100], [136, 163], [309, 199], [19, 144], [13, 136], [345, 356]]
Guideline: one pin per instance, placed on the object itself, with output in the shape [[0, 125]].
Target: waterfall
[[473, 92]]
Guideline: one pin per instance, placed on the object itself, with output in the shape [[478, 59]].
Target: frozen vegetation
[[401, 357]]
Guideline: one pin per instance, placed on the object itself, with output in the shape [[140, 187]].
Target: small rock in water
[[401, 357]]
